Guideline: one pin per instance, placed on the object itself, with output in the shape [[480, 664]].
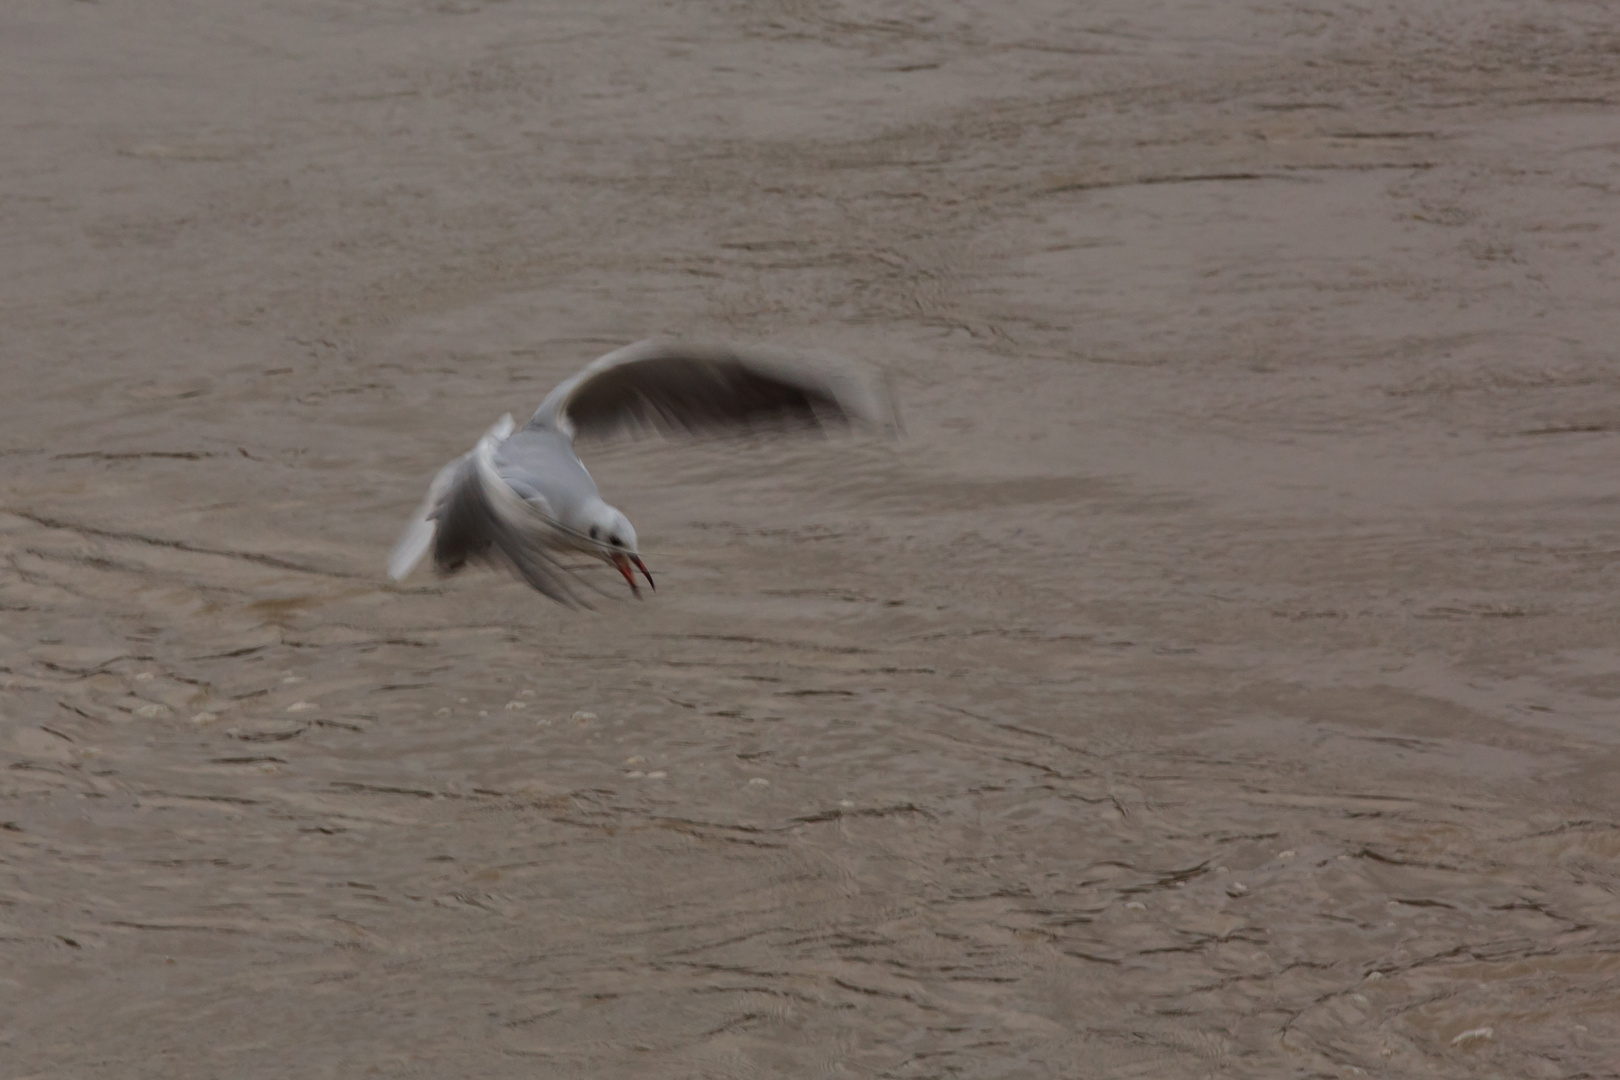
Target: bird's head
[[615, 541]]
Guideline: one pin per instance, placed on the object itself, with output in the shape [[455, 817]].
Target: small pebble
[[657, 774], [443, 712], [1374, 976], [1286, 855], [203, 719], [583, 717], [1237, 888], [288, 680], [461, 701], [846, 803], [528, 693], [759, 781], [1472, 1034], [1222, 870], [483, 712], [635, 774], [152, 710], [514, 706], [1135, 905], [637, 760], [302, 706], [145, 676]]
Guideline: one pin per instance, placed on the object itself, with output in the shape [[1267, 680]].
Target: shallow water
[[1217, 678]]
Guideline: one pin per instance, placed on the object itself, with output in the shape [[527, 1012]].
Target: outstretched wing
[[664, 386], [472, 515]]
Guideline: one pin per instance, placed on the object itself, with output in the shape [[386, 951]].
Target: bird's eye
[[593, 532], [614, 540]]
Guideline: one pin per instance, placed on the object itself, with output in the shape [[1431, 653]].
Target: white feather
[[417, 539], [514, 508], [413, 544]]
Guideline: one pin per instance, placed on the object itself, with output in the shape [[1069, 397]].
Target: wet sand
[[1219, 677]]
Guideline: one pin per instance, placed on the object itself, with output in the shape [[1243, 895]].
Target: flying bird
[[521, 498]]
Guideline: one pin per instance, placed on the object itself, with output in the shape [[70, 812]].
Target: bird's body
[[522, 498], [540, 463]]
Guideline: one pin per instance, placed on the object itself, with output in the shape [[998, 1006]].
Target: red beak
[[624, 562]]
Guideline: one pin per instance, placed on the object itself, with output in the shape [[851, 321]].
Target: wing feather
[[417, 538], [666, 387]]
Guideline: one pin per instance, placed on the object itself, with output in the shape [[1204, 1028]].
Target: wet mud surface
[[1218, 678]]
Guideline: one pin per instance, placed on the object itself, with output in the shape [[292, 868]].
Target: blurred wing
[[666, 387], [417, 538], [414, 542]]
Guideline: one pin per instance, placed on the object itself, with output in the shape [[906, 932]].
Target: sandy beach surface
[[1219, 677]]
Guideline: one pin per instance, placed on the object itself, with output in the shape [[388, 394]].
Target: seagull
[[521, 498]]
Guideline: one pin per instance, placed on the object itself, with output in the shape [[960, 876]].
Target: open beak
[[644, 573], [624, 563]]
